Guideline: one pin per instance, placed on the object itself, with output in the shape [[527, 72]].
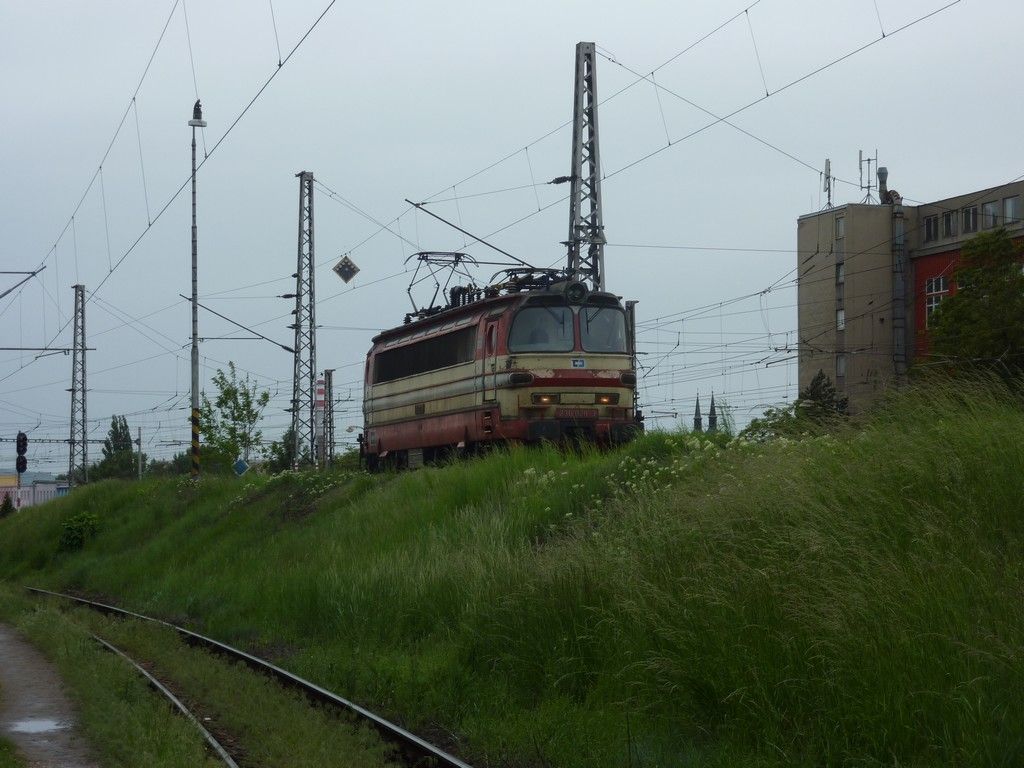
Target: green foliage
[[119, 457], [179, 464], [9, 756], [844, 599], [777, 421], [818, 408], [281, 452], [77, 530], [125, 722], [228, 424], [981, 325], [6, 506]]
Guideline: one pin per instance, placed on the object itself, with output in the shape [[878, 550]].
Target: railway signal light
[[21, 443]]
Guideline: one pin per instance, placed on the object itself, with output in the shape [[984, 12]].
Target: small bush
[[77, 530]]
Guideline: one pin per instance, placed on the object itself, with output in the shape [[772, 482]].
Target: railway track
[[416, 751], [215, 745]]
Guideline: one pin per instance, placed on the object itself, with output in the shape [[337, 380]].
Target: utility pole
[[196, 122], [78, 455], [139, 443], [304, 368], [328, 416], [586, 225]]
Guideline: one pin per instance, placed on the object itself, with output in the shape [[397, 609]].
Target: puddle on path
[[41, 725]]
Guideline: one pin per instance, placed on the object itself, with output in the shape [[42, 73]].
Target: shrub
[[77, 530]]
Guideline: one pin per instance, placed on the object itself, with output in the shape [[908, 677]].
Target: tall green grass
[[847, 599]]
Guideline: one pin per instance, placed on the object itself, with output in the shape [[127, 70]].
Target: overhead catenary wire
[[192, 62], [535, 185], [131, 248], [719, 119]]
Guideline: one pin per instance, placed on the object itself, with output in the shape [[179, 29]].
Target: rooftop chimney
[[883, 188]]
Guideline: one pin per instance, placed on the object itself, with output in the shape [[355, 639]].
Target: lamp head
[[197, 116]]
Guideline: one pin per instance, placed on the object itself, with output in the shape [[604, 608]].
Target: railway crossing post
[[328, 417]]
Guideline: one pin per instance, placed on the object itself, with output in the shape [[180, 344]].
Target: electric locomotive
[[536, 357]]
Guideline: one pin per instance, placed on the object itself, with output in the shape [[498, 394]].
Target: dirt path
[[34, 711]]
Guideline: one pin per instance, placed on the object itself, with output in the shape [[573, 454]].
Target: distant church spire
[[698, 423], [712, 416]]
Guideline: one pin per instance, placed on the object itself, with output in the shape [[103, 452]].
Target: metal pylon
[[586, 225], [304, 374], [328, 416], [78, 456]]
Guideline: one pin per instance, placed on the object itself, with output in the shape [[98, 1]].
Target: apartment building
[[871, 275]]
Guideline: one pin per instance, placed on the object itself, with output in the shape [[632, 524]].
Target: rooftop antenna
[[828, 182], [869, 186]]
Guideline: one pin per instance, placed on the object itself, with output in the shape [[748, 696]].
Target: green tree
[[228, 424], [817, 407], [281, 452], [983, 323], [819, 402], [6, 506], [119, 456], [179, 464]]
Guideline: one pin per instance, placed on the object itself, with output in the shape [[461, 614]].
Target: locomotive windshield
[[603, 329], [542, 329]]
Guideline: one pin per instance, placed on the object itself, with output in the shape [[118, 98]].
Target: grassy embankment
[[844, 600], [124, 722], [261, 723]]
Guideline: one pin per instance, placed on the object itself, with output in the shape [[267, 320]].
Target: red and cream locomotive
[[536, 357]]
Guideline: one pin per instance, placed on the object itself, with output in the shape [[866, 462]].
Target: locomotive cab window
[[542, 329], [603, 329]]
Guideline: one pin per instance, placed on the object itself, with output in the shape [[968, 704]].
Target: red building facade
[[934, 281]]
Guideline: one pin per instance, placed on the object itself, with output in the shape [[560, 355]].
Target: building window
[[931, 303], [841, 365], [840, 227], [970, 219], [931, 228], [949, 224], [935, 290], [1011, 210], [840, 319], [989, 214]]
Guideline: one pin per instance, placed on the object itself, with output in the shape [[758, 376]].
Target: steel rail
[[412, 745], [210, 738]]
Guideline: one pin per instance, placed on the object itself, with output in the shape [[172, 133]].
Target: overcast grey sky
[[389, 100]]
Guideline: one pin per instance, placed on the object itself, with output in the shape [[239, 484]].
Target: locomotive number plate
[[576, 413]]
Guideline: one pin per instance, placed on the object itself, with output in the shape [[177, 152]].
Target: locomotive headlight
[[545, 399], [610, 398]]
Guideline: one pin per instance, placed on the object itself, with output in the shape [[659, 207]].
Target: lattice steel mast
[[586, 225], [304, 374], [78, 455], [328, 416]]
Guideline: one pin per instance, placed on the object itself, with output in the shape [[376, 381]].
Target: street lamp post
[[196, 122]]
